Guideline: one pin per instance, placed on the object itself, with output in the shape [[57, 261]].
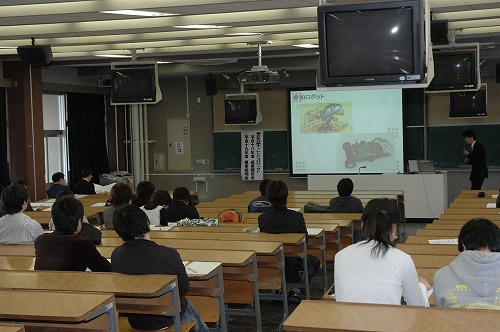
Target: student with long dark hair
[[373, 270]]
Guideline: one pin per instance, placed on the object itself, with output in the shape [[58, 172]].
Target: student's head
[[56, 177], [469, 135], [130, 222], [380, 223], [263, 186], [479, 234], [277, 193], [181, 194], [20, 181], [345, 187], [14, 197], [65, 192], [145, 190], [162, 198], [87, 173], [67, 212], [121, 194]]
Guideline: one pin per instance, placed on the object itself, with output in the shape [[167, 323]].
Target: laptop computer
[[421, 166]]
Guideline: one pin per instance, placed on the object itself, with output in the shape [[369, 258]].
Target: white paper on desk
[[48, 209], [201, 268], [443, 241], [314, 231], [49, 201], [99, 204], [78, 196], [494, 196], [160, 228], [491, 205], [294, 209]]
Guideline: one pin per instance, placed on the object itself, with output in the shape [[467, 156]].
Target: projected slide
[[341, 131]]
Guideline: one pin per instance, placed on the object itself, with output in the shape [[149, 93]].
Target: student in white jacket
[[373, 270]]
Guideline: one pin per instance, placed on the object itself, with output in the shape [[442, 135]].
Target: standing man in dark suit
[[84, 186], [476, 157]]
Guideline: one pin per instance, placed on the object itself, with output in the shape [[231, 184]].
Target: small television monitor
[[376, 43], [455, 70], [241, 109], [134, 84], [468, 104]]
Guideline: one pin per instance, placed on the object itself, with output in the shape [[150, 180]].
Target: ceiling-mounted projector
[[259, 74]]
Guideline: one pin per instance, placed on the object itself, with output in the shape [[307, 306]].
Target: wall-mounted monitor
[[242, 109], [467, 104], [379, 43], [134, 83], [455, 70]]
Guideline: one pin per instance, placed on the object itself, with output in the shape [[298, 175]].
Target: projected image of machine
[[366, 150], [325, 119]]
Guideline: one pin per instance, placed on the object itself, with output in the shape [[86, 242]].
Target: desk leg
[[256, 297], [323, 255], [110, 311], [222, 306]]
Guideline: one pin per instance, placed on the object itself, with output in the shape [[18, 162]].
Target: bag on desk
[[231, 215]]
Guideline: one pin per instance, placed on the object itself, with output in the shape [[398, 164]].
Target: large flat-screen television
[[455, 70], [346, 131], [371, 43], [134, 83], [242, 109], [468, 104]]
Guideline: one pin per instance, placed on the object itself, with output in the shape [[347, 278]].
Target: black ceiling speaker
[[35, 55], [498, 73], [439, 32]]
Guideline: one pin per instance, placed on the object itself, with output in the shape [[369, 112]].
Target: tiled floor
[[272, 311]]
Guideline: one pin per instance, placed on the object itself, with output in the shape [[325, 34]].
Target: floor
[[272, 311]]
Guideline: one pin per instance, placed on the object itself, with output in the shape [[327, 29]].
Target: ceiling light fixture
[[113, 56], [285, 73], [244, 34], [137, 13], [306, 45], [201, 26]]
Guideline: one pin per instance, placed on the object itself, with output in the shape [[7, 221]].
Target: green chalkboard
[[445, 144], [227, 151]]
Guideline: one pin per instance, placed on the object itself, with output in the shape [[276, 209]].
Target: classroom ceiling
[[81, 33]]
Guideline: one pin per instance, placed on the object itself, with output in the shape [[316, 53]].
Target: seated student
[[260, 203], [140, 255], [161, 199], [15, 226], [179, 208], [87, 230], [58, 186], [84, 186], [282, 220], [345, 203], [144, 192], [24, 183], [472, 280], [121, 195], [65, 249], [373, 270]]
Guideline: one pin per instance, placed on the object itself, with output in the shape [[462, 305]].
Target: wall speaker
[[211, 86], [35, 54], [439, 32], [498, 72]]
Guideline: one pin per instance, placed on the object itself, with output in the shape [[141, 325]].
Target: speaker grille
[[35, 55]]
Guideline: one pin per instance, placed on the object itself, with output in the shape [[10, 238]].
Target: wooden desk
[[68, 311], [463, 218], [413, 239], [6, 327], [428, 249], [438, 232], [336, 316], [152, 293]]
